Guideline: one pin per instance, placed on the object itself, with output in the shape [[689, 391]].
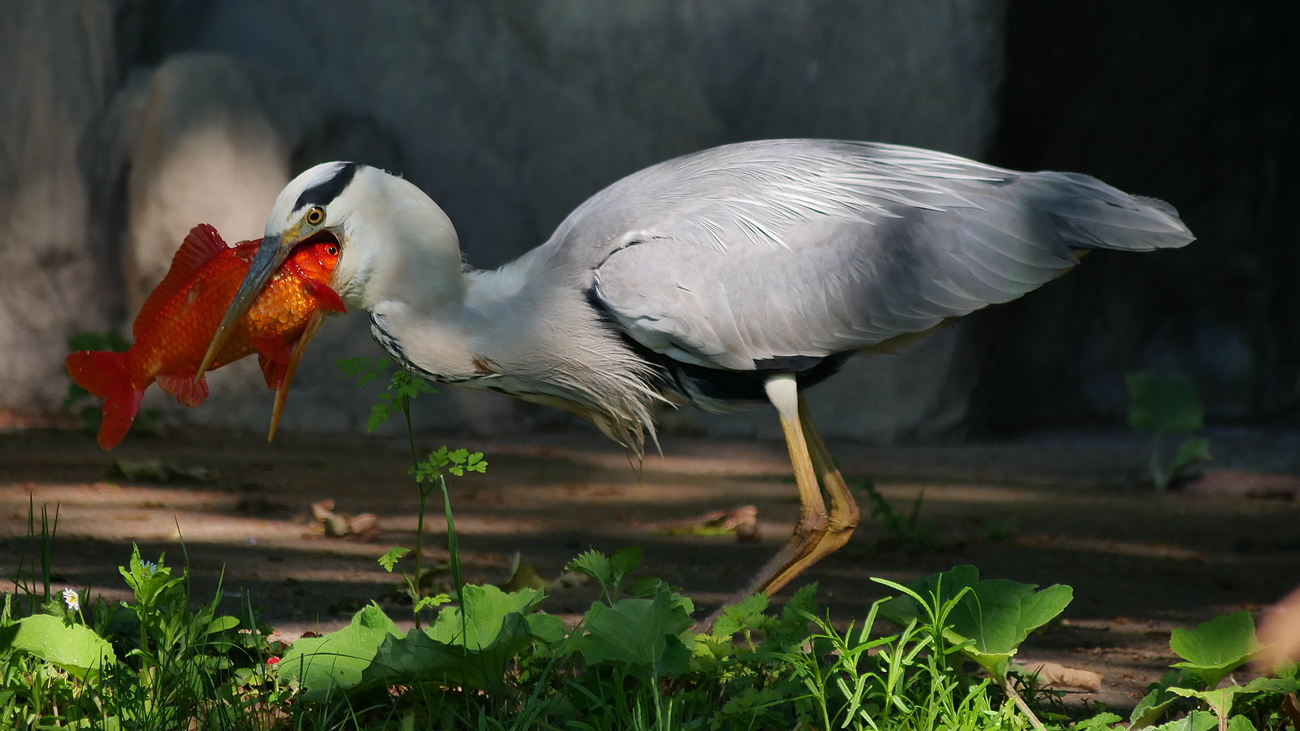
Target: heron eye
[[315, 215], [332, 250]]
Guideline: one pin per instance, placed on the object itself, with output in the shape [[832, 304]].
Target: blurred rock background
[[125, 122]]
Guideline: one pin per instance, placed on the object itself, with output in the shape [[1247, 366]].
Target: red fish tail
[[104, 375]]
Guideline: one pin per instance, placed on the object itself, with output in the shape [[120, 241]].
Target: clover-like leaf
[[392, 556], [744, 614], [429, 602]]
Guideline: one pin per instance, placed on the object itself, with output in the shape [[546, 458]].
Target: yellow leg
[[844, 515], [781, 390], [817, 534]]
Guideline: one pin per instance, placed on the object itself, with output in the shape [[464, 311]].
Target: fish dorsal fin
[[200, 245]]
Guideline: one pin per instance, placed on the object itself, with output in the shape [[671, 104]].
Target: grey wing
[[758, 256]]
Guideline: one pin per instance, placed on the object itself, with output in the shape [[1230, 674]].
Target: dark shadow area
[[1190, 103], [1074, 511]]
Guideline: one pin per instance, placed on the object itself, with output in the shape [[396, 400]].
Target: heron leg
[[810, 530], [844, 514]]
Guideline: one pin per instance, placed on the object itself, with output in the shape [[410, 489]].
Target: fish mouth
[[271, 255]]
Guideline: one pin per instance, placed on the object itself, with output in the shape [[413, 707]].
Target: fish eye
[[332, 250], [315, 215]]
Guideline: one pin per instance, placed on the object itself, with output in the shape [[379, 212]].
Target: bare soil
[[1069, 509]]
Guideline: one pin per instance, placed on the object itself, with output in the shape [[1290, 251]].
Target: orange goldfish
[[181, 315]]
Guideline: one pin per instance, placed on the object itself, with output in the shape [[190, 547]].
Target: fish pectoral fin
[[272, 347], [326, 297], [273, 371], [186, 391]]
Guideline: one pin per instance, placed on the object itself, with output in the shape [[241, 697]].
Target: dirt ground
[[1057, 508]]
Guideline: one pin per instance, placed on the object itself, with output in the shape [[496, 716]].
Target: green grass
[[938, 654]]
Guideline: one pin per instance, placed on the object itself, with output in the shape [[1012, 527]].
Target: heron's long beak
[[270, 255], [281, 393]]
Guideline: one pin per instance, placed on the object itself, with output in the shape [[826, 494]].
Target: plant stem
[[1020, 702], [424, 496], [1157, 470], [453, 546]]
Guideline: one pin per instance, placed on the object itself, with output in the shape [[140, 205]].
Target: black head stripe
[[323, 192]]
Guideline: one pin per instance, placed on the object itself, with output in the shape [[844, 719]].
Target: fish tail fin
[[103, 374]]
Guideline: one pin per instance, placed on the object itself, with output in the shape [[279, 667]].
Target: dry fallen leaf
[[741, 522], [1059, 677], [156, 470], [361, 527]]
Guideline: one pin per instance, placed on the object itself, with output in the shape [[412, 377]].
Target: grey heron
[[742, 273]]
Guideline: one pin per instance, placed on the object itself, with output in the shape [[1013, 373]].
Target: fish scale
[[177, 321]]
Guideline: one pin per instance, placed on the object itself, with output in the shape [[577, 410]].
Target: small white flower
[[71, 599], [149, 567]]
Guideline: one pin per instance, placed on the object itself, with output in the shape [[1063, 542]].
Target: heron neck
[[445, 332]]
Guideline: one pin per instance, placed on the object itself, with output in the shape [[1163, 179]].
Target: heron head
[[394, 242]]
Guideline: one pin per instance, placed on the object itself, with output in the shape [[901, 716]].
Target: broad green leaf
[[328, 665], [475, 651], [1221, 700], [547, 627], [73, 647], [1154, 704], [1217, 647], [1189, 453], [994, 616], [1273, 685], [1103, 720], [486, 608], [640, 634], [417, 657], [1163, 403], [221, 624], [1240, 723], [624, 561], [1194, 721]]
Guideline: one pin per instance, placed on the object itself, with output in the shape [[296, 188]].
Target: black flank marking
[[717, 383], [787, 363], [321, 194]]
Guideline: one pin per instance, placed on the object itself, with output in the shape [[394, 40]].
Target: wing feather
[[787, 248]]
